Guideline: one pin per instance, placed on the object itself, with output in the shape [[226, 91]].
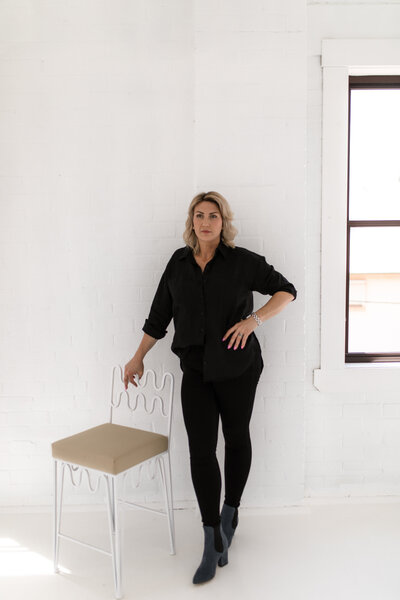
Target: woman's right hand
[[133, 367]]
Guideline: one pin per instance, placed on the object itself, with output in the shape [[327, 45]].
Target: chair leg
[[171, 499], [58, 498], [55, 533], [114, 524], [118, 555], [167, 490]]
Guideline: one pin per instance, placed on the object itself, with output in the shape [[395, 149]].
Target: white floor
[[329, 552]]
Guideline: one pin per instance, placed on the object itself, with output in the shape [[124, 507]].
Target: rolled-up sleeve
[[267, 280], [160, 311]]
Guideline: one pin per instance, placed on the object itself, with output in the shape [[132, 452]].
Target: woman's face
[[207, 221]]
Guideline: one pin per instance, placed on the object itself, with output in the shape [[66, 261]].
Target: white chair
[[111, 451]]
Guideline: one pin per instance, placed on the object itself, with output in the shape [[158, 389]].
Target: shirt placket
[[204, 277], [203, 310]]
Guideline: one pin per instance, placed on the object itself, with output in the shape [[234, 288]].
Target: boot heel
[[223, 560]]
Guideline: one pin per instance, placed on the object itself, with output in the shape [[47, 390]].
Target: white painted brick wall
[[113, 116], [352, 441], [250, 140]]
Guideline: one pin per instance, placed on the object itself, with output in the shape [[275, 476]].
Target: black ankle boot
[[215, 551], [229, 521]]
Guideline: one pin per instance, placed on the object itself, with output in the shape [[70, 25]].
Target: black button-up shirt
[[204, 305]]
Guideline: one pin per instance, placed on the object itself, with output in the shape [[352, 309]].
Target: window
[[373, 220], [360, 226]]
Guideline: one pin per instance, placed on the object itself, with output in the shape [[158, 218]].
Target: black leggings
[[202, 404]]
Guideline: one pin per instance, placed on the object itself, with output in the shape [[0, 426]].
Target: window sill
[[358, 377]]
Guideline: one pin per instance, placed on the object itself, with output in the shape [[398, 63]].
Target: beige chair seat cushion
[[109, 447]]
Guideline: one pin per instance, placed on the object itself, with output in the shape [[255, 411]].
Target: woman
[[207, 289]]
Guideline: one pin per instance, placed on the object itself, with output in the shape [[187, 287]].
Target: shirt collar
[[222, 248]]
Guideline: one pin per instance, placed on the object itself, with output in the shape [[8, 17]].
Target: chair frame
[[162, 465]]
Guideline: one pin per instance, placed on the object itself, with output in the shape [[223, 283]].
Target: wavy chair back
[[148, 406]]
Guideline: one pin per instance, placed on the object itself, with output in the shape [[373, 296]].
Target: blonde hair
[[228, 231]]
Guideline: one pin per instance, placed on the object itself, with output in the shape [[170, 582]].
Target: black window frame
[[365, 82]]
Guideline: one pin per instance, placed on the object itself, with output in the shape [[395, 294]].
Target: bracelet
[[256, 317]]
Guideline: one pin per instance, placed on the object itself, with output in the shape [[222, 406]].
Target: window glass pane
[[374, 294], [374, 167]]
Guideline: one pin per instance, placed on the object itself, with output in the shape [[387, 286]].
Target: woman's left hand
[[240, 332]]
